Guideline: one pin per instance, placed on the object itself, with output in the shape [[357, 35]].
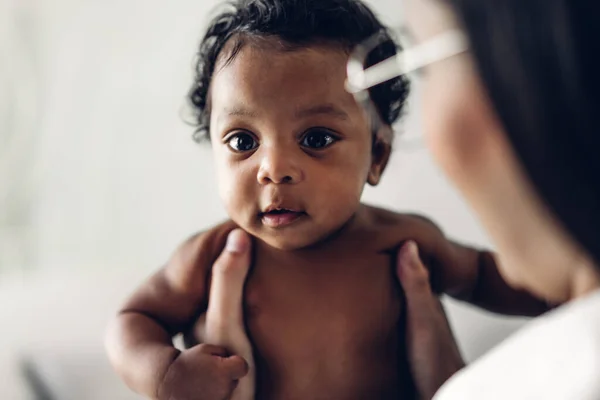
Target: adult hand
[[432, 351], [222, 367], [224, 325]]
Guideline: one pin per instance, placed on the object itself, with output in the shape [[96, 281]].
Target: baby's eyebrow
[[329, 109], [240, 112], [323, 109]]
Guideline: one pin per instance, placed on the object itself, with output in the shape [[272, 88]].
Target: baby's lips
[[281, 208], [280, 219]]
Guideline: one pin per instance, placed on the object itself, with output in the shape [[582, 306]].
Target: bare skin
[[313, 336], [139, 341], [469, 143], [323, 309]]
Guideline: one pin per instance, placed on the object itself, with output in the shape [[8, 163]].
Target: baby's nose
[[277, 167]]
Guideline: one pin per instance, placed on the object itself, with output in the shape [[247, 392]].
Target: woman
[[511, 96]]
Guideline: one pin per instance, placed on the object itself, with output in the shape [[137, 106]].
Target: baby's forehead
[[265, 61], [271, 75], [274, 48]]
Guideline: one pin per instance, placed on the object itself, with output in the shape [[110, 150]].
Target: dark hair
[[296, 24], [540, 62]]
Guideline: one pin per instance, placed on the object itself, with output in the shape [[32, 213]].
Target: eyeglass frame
[[359, 80]]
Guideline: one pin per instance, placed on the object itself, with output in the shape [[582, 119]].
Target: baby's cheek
[[226, 189], [342, 193], [232, 190]]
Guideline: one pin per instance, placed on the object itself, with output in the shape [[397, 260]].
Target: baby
[[322, 307]]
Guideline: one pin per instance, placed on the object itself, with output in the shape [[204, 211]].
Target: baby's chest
[[335, 307], [354, 284]]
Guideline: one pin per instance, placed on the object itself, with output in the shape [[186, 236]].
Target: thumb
[[227, 287], [432, 351], [411, 272], [236, 366]]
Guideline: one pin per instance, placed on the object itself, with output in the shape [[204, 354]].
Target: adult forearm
[[141, 351]]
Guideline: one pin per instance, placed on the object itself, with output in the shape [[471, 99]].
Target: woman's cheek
[[455, 126], [438, 127]]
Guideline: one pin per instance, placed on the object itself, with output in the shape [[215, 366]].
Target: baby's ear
[[382, 148]]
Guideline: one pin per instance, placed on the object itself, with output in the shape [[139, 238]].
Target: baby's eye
[[242, 142], [317, 139]]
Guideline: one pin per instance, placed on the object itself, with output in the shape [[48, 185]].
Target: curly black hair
[[296, 24]]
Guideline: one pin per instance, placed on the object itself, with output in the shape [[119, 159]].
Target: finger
[[226, 291], [412, 274], [236, 367], [422, 305], [212, 350]]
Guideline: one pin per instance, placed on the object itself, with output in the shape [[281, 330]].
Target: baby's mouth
[[281, 217]]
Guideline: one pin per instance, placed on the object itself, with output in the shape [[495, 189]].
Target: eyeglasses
[[360, 80]]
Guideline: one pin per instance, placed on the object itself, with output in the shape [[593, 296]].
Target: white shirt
[[555, 356]]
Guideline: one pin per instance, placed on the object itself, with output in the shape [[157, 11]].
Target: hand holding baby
[[212, 371], [431, 348]]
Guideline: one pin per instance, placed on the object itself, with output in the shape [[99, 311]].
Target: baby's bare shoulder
[[173, 294], [388, 230], [402, 224]]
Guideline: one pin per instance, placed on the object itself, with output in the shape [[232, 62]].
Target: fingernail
[[410, 253], [236, 242]]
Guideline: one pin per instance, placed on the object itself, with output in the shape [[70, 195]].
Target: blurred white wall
[[107, 176], [118, 179]]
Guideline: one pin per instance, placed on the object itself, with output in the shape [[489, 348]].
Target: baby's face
[[293, 150]]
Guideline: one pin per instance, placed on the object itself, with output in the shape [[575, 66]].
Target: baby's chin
[[291, 238], [302, 234], [287, 241]]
